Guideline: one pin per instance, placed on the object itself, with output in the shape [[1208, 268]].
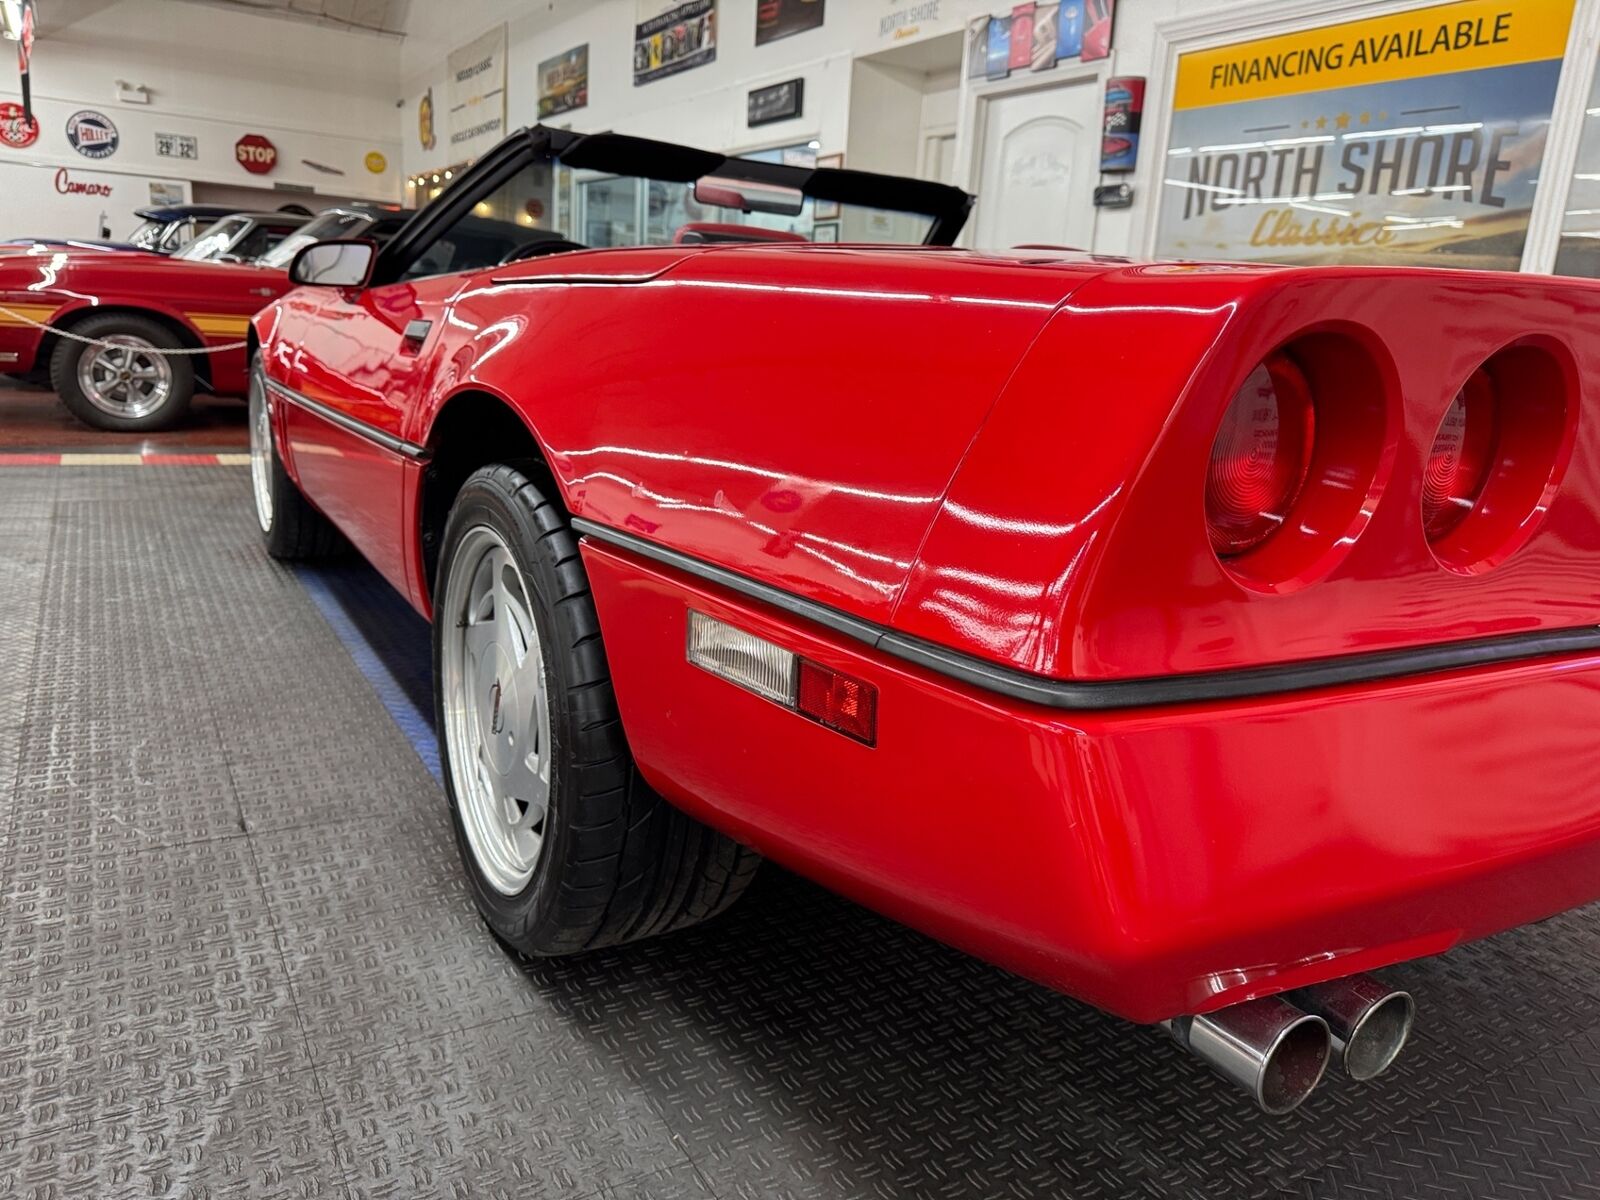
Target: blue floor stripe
[[390, 643]]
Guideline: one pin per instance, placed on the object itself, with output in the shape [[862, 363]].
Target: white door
[[938, 158], [1039, 159]]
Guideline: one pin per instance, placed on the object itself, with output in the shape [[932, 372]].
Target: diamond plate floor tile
[[1530, 1132], [237, 959], [366, 982], [269, 1140], [396, 856], [129, 978], [516, 1110]]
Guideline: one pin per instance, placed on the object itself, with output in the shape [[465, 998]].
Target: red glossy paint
[[211, 302], [1007, 455], [1153, 863]]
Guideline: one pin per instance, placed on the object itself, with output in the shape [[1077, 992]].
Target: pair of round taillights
[[1489, 475]]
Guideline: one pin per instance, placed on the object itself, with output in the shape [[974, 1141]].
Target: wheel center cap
[[497, 701]]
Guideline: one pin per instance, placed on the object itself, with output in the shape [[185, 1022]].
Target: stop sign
[[255, 153]]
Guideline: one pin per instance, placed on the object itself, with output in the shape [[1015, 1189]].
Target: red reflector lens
[[1458, 465], [846, 705], [1261, 457]]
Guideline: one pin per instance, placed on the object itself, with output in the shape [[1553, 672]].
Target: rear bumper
[[1152, 862]]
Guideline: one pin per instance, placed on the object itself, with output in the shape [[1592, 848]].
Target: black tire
[[64, 361], [618, 863], [291, 529]]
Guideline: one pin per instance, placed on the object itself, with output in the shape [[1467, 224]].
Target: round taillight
[[1462, 454], [1261, 457]]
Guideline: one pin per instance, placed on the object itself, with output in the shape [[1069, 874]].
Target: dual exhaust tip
[[1278, 1048]]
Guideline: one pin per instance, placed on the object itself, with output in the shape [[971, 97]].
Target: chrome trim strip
[[1105, 695], [349, 424]]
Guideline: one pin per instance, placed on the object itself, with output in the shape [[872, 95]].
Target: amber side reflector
[[836, 701]]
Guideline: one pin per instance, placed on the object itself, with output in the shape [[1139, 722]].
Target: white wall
[[703, 107], [217, 74]]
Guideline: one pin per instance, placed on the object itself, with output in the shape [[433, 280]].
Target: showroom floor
[[236, 958]]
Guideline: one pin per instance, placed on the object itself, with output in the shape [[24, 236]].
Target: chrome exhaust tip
[[1368, 1020], [1268, 1047]]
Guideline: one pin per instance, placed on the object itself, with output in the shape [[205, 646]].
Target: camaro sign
[[1397, 140]]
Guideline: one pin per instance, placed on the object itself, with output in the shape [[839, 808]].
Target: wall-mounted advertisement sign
[[93, 134], [1413, 139], [904, 19], [784, 18], [1119, 148], [427, 136], [564, 82], [672, 36], [18, 130], [780, 102], [477, 92]]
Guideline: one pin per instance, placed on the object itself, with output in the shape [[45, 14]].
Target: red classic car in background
[[130, 306], [1192, 639]]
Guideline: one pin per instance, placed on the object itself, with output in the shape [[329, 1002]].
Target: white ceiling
[[384, 18]]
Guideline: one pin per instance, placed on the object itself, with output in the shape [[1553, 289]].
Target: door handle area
[[416, 334]]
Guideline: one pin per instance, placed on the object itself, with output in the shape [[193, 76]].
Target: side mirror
[[340, 264]]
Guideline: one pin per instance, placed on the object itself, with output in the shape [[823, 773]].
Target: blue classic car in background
[[165, 230]]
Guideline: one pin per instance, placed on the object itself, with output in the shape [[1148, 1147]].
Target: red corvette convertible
[[1192, 639], [132, 306]]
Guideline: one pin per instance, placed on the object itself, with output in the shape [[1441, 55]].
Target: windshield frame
[[664, 162], [281, 255], [215, 254]]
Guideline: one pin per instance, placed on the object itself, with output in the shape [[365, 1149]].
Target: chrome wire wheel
[[261, 451], [124, 376], [496, 710]]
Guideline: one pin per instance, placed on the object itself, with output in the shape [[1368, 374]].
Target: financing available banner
[[672, 36], [1412, 139], [477, 96]]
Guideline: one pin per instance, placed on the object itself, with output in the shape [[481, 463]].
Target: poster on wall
[[1413, 139], [1069, 29], [672, 36], [477, 93], [1021, 37], [1045, 38], [564, 82], [1097, 19], [777, 19], [978, 48], [999, 56], [1119, 147]]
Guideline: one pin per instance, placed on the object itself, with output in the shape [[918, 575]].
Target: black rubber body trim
[[1103, 695], [349, 424]]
